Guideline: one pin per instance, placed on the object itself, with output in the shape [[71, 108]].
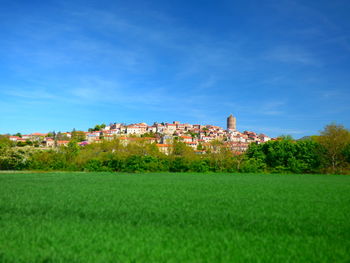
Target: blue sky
[[280, 67]]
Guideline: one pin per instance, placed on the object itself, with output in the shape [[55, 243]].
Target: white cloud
[[291, 54], [30, 93]]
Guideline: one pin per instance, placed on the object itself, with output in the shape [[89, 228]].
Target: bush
[[253, 166], [179, 164], [200, 166], [95, 165], [14, 159]]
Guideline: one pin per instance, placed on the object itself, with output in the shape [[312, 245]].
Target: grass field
[[101, 217]]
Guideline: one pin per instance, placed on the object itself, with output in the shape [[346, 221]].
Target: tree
[[78, 136], [335, 138], [181, 149], [148, 134], [286, 137], [61, 137], [4, 142], [346, 152], [287, 155]]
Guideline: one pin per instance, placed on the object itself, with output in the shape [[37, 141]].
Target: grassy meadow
[[163, 217]]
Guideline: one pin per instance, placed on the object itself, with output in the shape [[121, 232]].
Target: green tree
[[286, 155], [346, 153], [335, 138], [78, 136], [4, 142], [18, 134], [181, 149]]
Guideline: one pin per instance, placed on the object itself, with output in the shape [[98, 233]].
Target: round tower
[[231, 123]]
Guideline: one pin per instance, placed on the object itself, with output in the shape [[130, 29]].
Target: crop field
[[163, 217]]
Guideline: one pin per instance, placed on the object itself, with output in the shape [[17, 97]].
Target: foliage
[[253, 165], [4, 142], [149, 135], [346, 152], [14, 158], [335, 140], [285, 155], [97, 127], [78, 136], [200, 165]]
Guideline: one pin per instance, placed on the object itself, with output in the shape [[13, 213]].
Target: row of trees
[[328, 152]]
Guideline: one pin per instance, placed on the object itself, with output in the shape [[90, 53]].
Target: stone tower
[[231, 123]]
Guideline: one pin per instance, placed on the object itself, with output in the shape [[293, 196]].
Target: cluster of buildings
[[199, 137]]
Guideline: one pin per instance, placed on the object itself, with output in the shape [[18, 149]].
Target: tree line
[[328, 152]]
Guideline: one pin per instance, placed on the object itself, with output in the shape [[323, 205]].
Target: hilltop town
[[199, 137]]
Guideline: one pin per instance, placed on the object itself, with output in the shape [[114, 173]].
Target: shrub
[[179, 164], [199, 166], [95, 165], [253, 166]]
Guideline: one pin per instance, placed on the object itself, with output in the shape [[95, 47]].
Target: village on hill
[[199, 137]]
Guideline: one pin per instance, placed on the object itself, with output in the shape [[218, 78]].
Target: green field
[[104, 217]]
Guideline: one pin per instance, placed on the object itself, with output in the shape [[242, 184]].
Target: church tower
[[231, 123]]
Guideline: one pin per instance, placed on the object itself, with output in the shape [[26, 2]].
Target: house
[[93, 136], [169, 128], [133, 130], [143, 127], [264, 138], [62, 143], [115, 126], [192, 144], [152, 129], [14, 138], [49, 142], [207, 138], [37, 136], [109, 137], [164, 148], [186, 138]]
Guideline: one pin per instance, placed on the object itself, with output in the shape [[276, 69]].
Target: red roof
[[62, 142], [39, 134]]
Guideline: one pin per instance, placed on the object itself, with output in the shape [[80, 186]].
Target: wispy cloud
[[272, 108], [35, 93], [291, 54]]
